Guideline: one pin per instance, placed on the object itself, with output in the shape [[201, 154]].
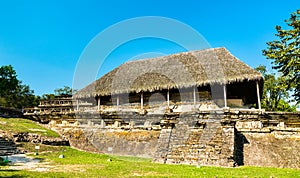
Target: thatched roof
[[182, 70]]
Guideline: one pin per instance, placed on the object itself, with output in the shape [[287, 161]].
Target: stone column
[[258, 95], [225, 95], [99, 103], [142, 101]]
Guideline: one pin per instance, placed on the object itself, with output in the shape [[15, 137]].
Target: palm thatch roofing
[[182, 70]]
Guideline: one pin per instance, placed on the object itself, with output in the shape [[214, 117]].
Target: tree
[[12, 92], [8, 80], [64, 91], [48, 96], [285, 53], [274, 93]]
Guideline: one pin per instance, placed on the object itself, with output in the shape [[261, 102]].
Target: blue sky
[[43, 40]]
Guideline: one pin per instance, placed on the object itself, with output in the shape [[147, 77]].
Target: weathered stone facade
[[220, 138], [36, 138], [195, 141]]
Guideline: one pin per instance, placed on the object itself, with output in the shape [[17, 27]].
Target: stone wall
[[219, 138], [196, 142], [266, 149], [129, 142], [36, 138], [268, 145]]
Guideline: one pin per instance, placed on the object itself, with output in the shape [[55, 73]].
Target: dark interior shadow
[[240, 140]]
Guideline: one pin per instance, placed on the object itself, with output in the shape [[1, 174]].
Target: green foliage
[[58, 92], [24, 125], [285, 106], [48, 97], [82, 164], [63, 91], [285, 51], [12, 92], [8, 80], [275, 92]]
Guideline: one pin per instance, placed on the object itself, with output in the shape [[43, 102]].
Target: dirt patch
[[23, 162]]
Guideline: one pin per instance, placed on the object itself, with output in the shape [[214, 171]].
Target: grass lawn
[[82, 164], [24, 125]]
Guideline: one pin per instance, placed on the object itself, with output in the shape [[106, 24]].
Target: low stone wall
[[130, 142], [35, 138], [219, 138], [77, 138]]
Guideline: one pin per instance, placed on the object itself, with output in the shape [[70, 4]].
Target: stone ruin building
[[198, 107], [57, 108]]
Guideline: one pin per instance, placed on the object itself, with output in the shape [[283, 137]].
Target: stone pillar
[[142, 101], [225, 95], [98, 103], [258, 95]]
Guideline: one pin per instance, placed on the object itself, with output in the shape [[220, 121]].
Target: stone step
[[8, 147]]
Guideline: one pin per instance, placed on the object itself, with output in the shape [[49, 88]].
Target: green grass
[[30, 147], [24, 125], [82, 164]]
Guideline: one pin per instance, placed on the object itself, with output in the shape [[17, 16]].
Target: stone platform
[[215, 138]]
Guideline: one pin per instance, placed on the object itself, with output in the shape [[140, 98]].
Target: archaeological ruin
[[199, 108]]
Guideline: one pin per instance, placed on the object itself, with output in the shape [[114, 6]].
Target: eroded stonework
[[221, 138]]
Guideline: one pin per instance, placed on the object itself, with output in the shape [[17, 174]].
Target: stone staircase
[[8, 147]]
